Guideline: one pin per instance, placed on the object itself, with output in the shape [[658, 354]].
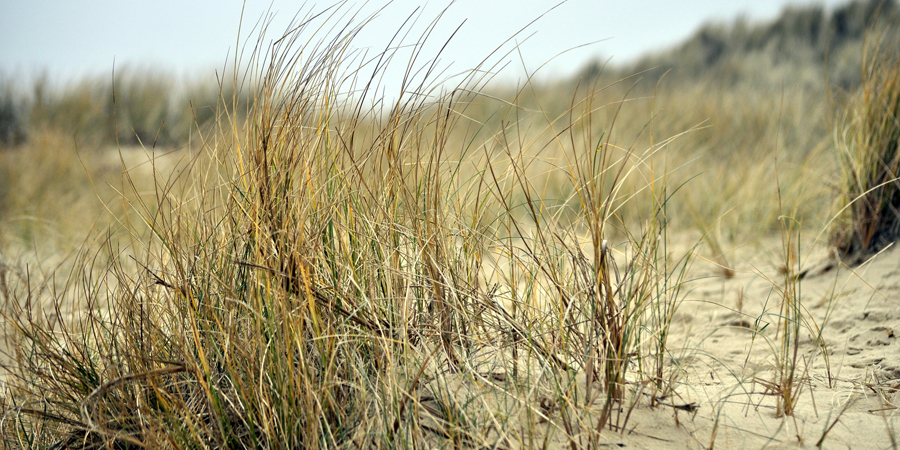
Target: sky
[[70, 39]]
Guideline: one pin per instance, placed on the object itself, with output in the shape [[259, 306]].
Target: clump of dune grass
[[333, 271], [788, 382], [868, 141]]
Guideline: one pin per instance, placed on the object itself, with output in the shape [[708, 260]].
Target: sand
[[724, 341]]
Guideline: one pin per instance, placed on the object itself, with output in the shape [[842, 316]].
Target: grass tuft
[[868, 142], [326, 272]]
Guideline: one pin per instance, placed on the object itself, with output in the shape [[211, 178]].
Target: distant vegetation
[[151, 108], [790, 49], [133, 107]]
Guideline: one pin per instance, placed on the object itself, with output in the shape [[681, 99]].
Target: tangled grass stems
[[326, 275]]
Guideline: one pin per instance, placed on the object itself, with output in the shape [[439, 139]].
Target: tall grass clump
[[333, 271], [788, 384], [868, 142]]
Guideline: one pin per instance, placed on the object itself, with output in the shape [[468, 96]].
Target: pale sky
[[68, 39]]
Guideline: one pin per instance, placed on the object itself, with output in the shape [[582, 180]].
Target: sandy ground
[[725, 342]]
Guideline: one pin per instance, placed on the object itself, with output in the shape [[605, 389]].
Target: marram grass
[[327, 273], [868, 143]]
